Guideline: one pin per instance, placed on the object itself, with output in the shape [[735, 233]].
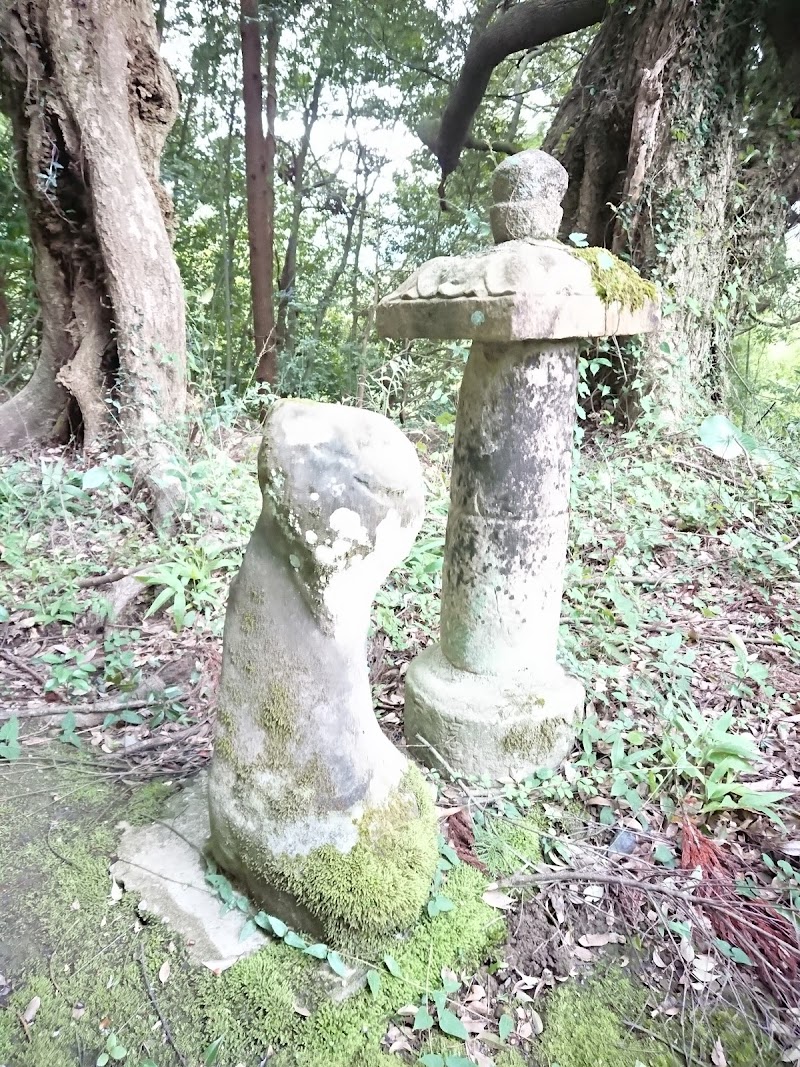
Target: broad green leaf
[[163, 598], [211, 1054], [248, 929], [10, 747], [95, 478], [318, 951], [458, 1061], [278, 926], [392, 966], [102, 1059], [506, 1027], [721, 437], [374, 982], [337, 964], [294, 940], [423, 1020], [605, 261], [439, 998], [732, 952], [432, 1059], [450, 1023], [663, 854]]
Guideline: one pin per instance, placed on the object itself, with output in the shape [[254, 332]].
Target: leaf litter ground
[[681, 617]]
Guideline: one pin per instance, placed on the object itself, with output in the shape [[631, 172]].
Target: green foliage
[[193, 583], [10, 748], [70, 670]]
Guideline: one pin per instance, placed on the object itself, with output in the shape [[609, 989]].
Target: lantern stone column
[[491, 698]]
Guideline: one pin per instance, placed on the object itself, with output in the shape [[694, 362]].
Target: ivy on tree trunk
[[91, 104]]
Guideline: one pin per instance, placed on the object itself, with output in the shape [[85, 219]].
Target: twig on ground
[[95, 580], [21, 665], [683, 1053], [708, 473], [154, 1002], [98, 707], [162, 739]]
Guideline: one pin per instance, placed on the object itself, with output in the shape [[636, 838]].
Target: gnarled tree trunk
[[91, 104], [651, 133]]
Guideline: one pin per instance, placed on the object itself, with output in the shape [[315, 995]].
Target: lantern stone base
[[503, 727]]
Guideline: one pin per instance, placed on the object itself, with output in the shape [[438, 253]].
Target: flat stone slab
[[163, 864], [513, 292]]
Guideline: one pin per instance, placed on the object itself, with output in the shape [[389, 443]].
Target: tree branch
[[523, 26]]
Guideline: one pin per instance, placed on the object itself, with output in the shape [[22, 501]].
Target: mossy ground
[[606, 1022], [74, 945]]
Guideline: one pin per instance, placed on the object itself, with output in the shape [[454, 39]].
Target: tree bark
[[650, 136], [91, 104], [259, 161], [288, 276]]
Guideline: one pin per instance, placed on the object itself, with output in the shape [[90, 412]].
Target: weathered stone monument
[[322, 819], [491, 697]]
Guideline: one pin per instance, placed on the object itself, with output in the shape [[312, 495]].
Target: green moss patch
[[85, 956], [606, 1022], [615, 281], [363, 897], [506, 846]]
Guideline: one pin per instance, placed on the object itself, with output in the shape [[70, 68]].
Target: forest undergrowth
[[654, 879]]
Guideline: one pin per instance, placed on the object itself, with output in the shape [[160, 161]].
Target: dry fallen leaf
[[30, 1012], [599, 940], [78, 1011], [495, 898], [583, 954], [718, 1055], [116, 890], [163, 972]]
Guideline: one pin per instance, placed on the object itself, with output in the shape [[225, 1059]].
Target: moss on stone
[[277, 716], [366, 895], [531, 739], [615, 281], [96, 960]]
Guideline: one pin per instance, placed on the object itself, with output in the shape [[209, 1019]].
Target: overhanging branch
[[521, 27]]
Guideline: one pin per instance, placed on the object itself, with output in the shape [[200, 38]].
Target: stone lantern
[[490, 698]]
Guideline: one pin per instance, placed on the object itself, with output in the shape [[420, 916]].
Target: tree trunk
[[296, 174], [650, 134], [91, 105], [259, 163]]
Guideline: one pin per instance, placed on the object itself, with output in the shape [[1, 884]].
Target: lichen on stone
[[527, 739], [615, 281]]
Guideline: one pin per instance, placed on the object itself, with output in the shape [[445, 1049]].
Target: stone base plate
[[164, 865], [473, 725]]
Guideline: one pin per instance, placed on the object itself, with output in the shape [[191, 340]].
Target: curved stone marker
[[328, 826], [491, 698]]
